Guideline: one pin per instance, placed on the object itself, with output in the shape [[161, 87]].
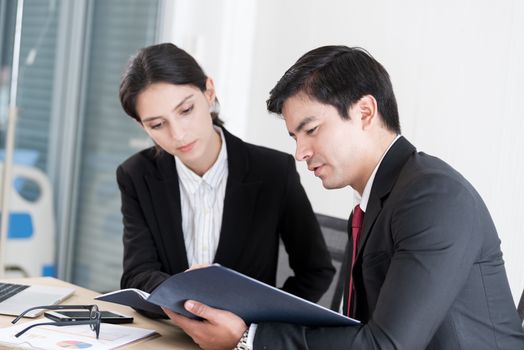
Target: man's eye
[[312, 130]]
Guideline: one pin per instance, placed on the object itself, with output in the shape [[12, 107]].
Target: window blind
[[118, 29]]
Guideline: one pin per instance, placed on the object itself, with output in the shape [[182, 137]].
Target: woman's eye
[[187, 110], [156, 126]]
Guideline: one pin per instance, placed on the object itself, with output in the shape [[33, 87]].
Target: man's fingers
[[219, 330], [180, 320], [208, 313], [200, 310], [196, 308], [168, 312]]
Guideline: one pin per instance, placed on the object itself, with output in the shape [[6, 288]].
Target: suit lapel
[[165, 198], [385, 178], [239, 202]]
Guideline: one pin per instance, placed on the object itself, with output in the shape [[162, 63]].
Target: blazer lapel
[[239, 202], [385, 178], [165, 198]]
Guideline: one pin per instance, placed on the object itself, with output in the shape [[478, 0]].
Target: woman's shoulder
[[259, 159], [257, 153], [266, 153], [140, 161]]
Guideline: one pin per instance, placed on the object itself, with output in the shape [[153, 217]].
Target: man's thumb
[[199, 309]]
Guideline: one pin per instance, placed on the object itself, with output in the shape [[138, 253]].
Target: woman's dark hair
[[165, 63], [338, 76]]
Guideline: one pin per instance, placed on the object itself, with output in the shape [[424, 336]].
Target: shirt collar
[[191, 181], [363, 201]]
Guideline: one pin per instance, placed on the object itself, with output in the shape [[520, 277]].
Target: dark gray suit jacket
[[429, 272], [264, 201]]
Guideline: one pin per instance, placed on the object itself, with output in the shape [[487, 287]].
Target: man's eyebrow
[[178, 105], [301, 125]]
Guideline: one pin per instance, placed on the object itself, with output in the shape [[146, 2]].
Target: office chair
[[30, 246], [335, 234]]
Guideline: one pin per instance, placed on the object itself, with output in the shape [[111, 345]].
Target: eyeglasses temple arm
[[51, 307], [58, 324]]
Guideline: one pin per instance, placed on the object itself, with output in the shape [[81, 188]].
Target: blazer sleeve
[[304, 243], [433, 227], [141, 262]]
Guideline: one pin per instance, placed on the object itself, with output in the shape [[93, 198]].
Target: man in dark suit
[[424, 267]]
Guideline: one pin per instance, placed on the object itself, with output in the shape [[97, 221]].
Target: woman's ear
[[210, 91]]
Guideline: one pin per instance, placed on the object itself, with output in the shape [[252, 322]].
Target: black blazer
[[264, 201], [429, 272]]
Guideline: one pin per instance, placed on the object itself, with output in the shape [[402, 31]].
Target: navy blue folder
[[132, 297], [253, 301]]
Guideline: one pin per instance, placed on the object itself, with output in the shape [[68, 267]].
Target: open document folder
[[225, 289], [74, 337]]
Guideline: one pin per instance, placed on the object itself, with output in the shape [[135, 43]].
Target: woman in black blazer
[[168, 94]]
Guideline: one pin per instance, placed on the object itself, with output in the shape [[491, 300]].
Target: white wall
[[219, 34], [458, 72]]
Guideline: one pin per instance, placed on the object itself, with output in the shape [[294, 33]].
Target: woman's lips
[[187, 147]]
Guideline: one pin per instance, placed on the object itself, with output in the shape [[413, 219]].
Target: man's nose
[[303, 151]]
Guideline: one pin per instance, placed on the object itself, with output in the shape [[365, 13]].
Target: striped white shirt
[[202, 204]]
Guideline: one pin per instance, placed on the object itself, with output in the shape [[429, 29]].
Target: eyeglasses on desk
[[93, 322]]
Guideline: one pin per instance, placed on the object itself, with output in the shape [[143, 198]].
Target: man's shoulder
[[426, 165], [430, 174]]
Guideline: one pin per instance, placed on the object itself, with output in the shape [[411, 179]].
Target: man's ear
[[210, 91], [367, 106]]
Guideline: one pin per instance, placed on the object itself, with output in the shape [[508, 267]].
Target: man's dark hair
[[338, 76], [165, 63]]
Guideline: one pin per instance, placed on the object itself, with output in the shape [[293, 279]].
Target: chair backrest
[[335, 234], [31, 235]]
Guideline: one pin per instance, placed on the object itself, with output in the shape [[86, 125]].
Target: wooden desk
[[171, 337]]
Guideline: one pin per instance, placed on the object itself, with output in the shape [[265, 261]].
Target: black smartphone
[[106, 316]]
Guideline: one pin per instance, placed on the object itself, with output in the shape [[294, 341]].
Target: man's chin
[[330, 185]]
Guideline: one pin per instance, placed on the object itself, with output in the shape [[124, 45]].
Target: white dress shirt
[[202, 204], [363, 200]]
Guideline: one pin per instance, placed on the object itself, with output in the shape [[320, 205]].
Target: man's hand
[[219, 329]]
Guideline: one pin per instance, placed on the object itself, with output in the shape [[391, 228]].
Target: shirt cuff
[[246, 341], [251, 335]]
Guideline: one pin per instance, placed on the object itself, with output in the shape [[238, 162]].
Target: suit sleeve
[[304, 243], [141, 263], [433, 228]]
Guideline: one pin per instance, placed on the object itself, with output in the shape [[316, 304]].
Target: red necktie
[[356, 224]]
